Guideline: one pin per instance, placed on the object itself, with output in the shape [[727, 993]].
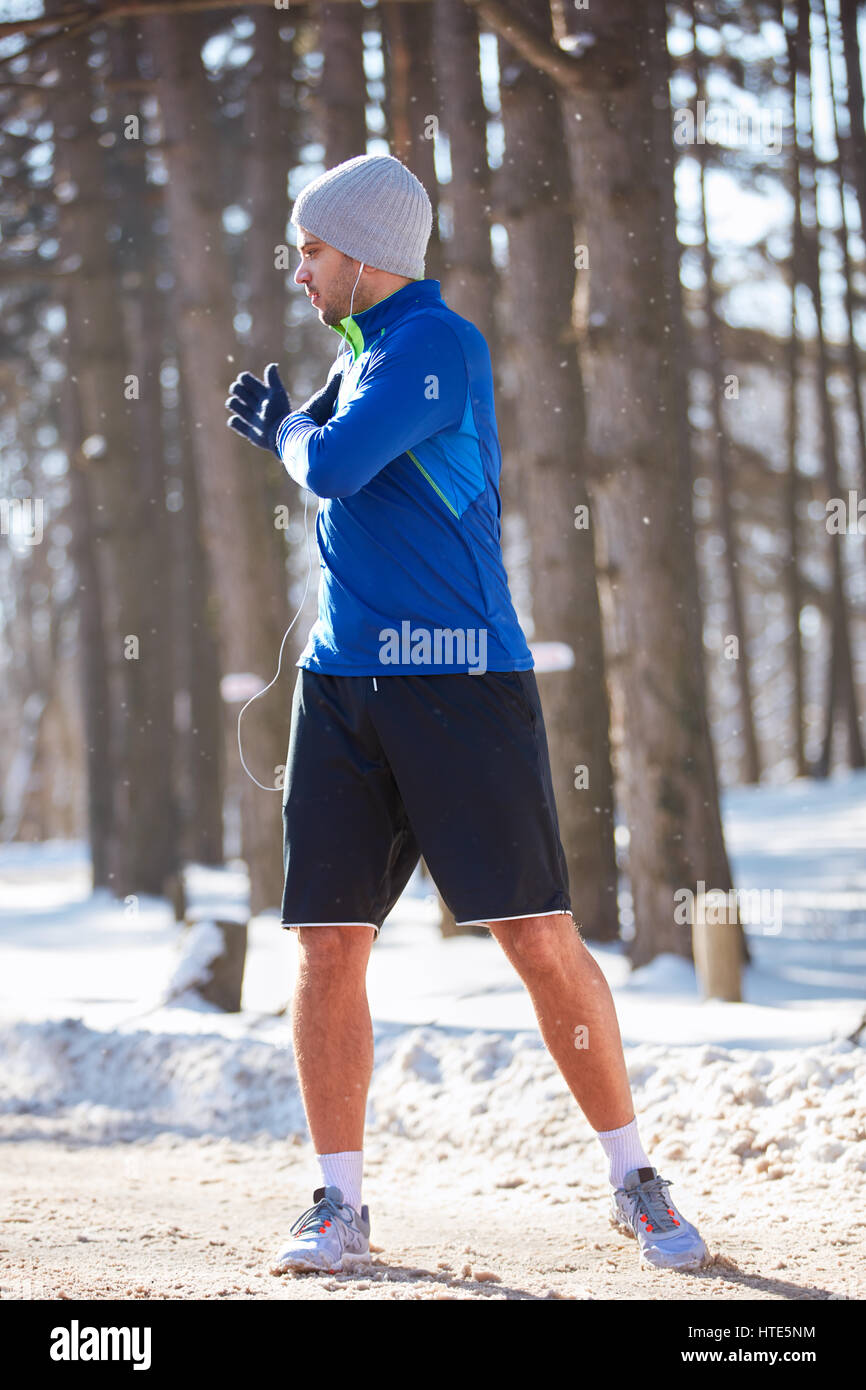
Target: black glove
[[259, 407], [321, 405]]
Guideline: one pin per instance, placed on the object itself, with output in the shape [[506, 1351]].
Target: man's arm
[[410, 390]]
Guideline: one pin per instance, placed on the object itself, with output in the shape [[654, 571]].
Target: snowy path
[[153, 1151], [186, 1219], [473, 1141]]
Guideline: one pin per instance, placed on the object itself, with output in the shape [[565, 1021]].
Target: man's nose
[[302, 275]]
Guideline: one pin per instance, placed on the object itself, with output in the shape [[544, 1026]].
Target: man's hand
[[259, 407], [321, 405]]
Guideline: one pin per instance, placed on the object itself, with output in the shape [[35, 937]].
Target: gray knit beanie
[[372, 209]]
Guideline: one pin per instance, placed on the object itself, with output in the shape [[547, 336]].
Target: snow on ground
[[766, 1096]]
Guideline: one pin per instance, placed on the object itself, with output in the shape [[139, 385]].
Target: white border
[[293, 926], [557, 912]]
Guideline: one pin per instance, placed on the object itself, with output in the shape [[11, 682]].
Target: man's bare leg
[[333, 1033], [568, 989]]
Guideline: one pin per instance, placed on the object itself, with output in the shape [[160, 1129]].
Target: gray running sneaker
[[329, 1236], [643, 1208]]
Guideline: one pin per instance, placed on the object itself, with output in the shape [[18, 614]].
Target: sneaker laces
[[323, 1210], [652, 1200]]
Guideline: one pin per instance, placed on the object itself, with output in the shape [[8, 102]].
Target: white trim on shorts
[[293, 926], [482, 921]]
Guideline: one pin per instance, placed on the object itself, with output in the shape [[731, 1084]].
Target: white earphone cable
[[265, 689]]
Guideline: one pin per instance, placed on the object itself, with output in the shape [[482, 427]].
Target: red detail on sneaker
[[643, 1218], [670, 1211], [676, 1223], [321, 1230], [649, 1228]]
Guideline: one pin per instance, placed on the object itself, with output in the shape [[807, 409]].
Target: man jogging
[[416, 723]]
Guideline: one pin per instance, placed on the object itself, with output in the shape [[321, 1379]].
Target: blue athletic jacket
[[407, 469]]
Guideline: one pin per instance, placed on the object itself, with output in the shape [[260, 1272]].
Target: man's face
[[328, 277]]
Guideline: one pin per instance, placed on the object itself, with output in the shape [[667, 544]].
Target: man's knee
[[535, 943], [335, 946]]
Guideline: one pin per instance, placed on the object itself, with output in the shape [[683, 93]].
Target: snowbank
[[497, 1094]]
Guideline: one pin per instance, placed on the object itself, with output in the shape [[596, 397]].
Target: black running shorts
[[383, 769]]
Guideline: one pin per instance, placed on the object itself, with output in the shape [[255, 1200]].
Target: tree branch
[[62, 27], [567, 70], [499, 15], [102, 10]]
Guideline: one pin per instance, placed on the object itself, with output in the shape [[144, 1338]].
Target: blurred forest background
[[655, 214]]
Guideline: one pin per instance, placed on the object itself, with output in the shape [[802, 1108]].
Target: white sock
[[344, 1170], [624, 1151]]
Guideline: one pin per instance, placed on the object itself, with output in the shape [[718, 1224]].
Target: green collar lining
[[387, 309], [349, 329]]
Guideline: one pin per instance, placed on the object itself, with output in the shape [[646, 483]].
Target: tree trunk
[[153, 852], [468, 276], [244, 562], [851, 45], [659, 73], [791, 571], [537, 212], [92, 655], [96, 357], [198, 663], [841, 684], [412, 102], [212, 961], [751, 758], [342, 97], [852, 349], [640, 469]]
